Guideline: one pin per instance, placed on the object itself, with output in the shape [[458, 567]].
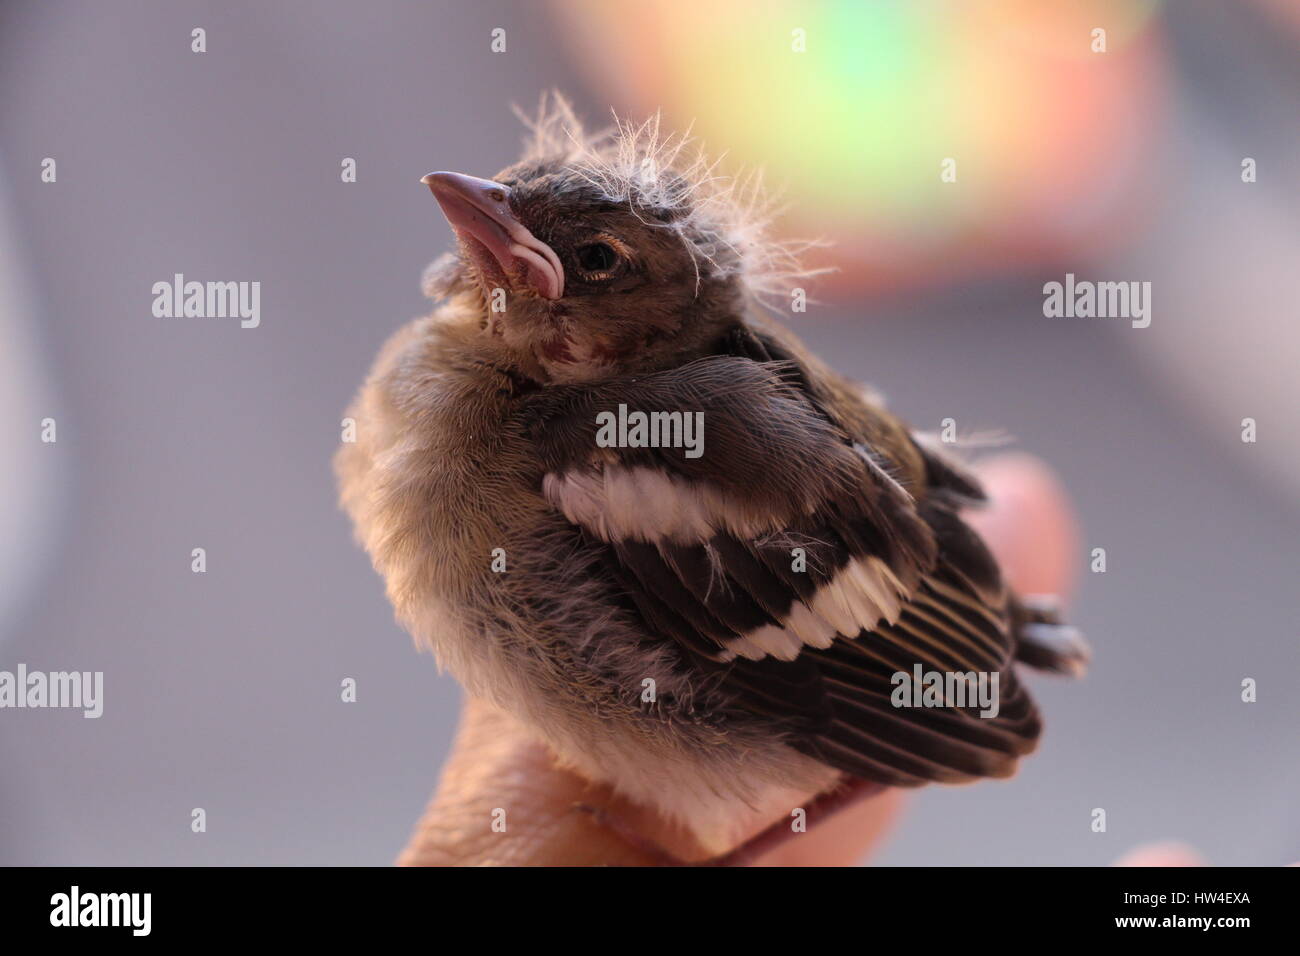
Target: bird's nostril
[[496, 195]]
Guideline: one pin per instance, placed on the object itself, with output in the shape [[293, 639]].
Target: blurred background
[[222, 688]]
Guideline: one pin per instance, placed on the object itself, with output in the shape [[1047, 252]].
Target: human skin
[[554, 817]]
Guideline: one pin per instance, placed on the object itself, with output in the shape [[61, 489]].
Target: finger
[[1172, 853], [846, 838], [502, 801], [1028, 524]]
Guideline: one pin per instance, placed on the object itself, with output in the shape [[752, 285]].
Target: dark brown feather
[[773, 440]]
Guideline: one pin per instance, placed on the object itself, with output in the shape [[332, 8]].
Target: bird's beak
[[479, 210]]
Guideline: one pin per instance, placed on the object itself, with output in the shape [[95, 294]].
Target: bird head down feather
[[609, 253]]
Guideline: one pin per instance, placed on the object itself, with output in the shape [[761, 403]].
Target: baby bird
[[721, 621]]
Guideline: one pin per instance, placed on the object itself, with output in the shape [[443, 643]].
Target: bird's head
[[595, 257]]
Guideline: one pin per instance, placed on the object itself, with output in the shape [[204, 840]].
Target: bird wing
[[794, 565]]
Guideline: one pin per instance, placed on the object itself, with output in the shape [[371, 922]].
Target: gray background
[[223, 689]]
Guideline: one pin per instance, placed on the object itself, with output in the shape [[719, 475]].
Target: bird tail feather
[[1043, 641]]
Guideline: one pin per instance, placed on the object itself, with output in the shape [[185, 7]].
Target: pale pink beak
[[479, 211]]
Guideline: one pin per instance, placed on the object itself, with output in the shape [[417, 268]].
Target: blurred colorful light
[[1044, 130]]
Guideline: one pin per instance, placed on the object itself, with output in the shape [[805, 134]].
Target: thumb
[[1028, 524]]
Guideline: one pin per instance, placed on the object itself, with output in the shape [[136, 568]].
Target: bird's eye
[[597, 257]]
